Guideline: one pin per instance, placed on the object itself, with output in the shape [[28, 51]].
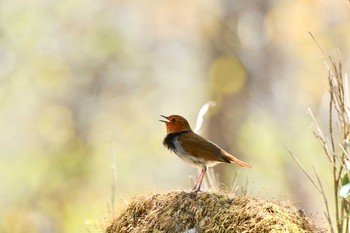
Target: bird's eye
[[173, 120]]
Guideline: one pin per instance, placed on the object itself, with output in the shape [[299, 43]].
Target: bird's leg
[[197, 182], [197, 186]]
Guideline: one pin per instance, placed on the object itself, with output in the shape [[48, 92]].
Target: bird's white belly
[[192, 160]]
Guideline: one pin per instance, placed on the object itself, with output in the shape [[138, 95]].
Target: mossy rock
[[180, 211]]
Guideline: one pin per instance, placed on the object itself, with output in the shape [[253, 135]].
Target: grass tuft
[[180, 211]]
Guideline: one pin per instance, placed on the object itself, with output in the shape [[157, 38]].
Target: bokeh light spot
[[228, 75]]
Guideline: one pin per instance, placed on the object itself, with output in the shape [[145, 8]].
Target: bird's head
[[175, 124]]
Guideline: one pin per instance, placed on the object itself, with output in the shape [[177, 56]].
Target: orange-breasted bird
[[194, 149]]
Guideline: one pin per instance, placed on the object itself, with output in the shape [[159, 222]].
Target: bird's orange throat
[[176, 124], [194, 149]]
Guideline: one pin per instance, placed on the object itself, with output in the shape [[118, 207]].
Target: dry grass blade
[[339, 158], [302, 168], [327, 213], [319, 135], [114, 181], [339, 104], [318, 45], [344, 151]]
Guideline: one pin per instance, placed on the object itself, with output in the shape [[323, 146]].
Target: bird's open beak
[[165, 121]]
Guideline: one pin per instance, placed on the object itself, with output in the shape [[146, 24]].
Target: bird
[[194, 149]]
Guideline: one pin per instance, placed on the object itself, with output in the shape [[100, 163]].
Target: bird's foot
[[196, 190]]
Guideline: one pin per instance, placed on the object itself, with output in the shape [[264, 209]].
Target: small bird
[[194, 149]]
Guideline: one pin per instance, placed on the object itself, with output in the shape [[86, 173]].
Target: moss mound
[[180, 211]]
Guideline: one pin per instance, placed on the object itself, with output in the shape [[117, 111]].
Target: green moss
[[180, 211]]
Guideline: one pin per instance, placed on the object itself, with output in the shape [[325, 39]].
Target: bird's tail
[[233, 159]]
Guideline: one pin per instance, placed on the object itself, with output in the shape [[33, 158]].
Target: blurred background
[[82, 85]]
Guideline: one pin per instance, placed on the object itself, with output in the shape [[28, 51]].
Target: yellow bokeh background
[[82, 85]]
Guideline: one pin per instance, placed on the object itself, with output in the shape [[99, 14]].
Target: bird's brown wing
[[200, 147]]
